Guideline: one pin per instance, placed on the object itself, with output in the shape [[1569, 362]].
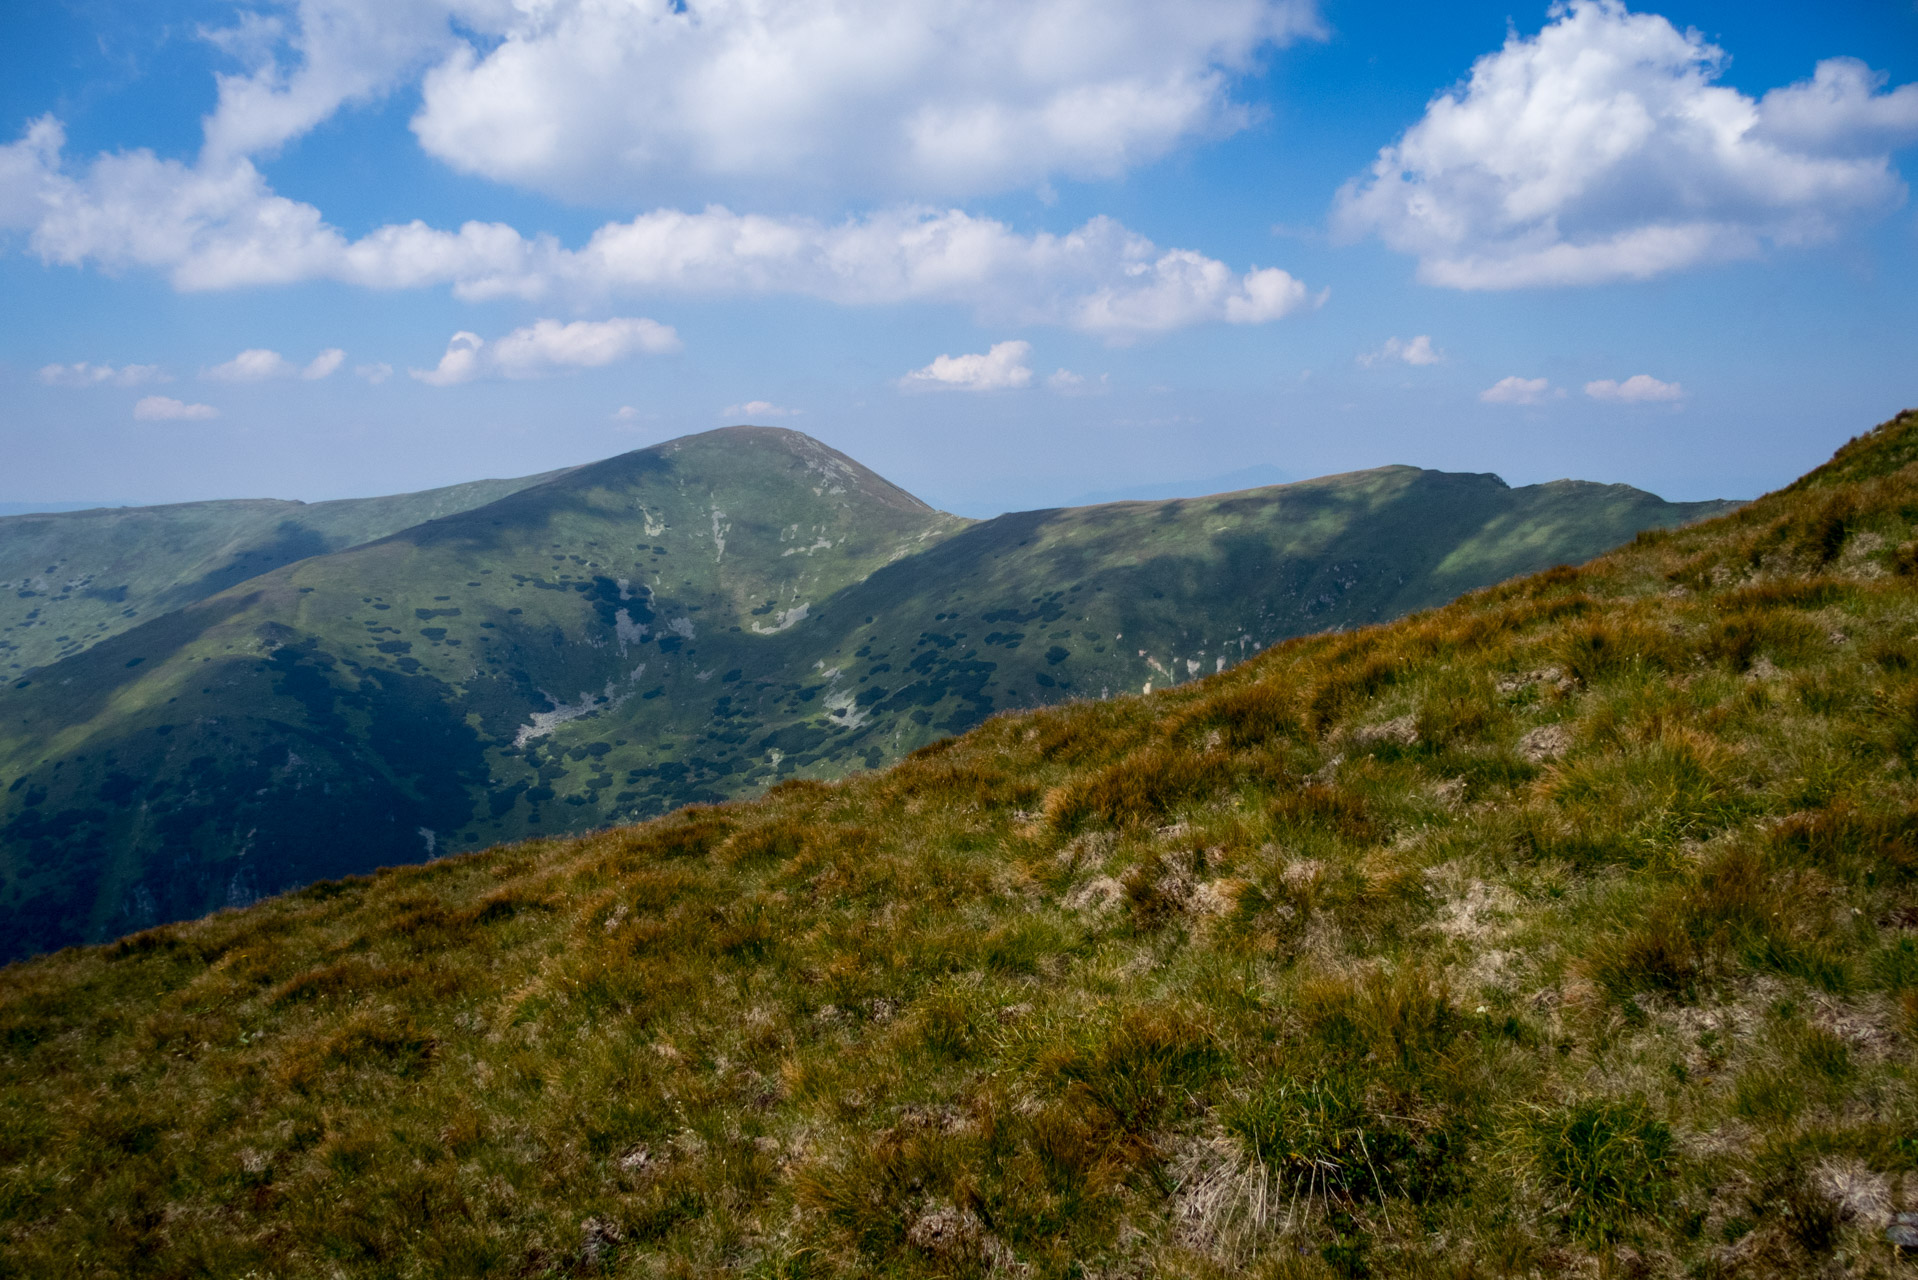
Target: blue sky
[[1007, 253]]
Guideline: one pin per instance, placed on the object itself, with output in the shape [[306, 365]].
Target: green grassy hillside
[[1567, 928], [1093, 601], [71, 579], [681, 624]]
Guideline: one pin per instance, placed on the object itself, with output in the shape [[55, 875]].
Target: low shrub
[[1462, 706], [1326, 808], [1783, 1192], [1741, 637], [1248, 716], [1141, 788], [344, 977], [1361, 677], [1315, 1135], [1733, 911], [1598, 649], [1605, 1162], [769, 842], [691, 833], [1152, 1060]]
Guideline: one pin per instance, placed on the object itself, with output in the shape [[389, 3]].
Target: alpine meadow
[[1567, 926]]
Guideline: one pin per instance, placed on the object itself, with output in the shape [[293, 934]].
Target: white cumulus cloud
[[999, 369], [856, 98], [1602, 149], [1418, 351], [859, 97], [1640, 388], [167, 409], [1517, 390], [222, 227], [83, 374], [546, 347]]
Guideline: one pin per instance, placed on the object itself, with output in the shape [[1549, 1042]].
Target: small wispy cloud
[[1065, 382], [167, 409], [375, 373], [258, 364], [1516, 390], [758, 409], [101, 375], [324, 365], [1418, 351], [1001, 368], [1640, 388]]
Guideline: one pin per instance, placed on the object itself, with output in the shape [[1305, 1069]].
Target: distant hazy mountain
[[688, 622], [69, 579], [1228, 482], [43, 508]]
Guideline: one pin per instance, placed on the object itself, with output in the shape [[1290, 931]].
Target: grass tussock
[[1570, 928]]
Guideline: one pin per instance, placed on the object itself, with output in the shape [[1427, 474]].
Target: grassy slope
[[472, 680], [1567, 928], [71, 579]]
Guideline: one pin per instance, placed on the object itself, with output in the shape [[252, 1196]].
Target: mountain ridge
[[207, 546], [530, 665]]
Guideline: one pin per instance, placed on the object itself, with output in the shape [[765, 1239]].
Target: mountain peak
[[832, 469]]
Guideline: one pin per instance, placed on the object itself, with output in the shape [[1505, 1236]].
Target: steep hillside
[[1564, 929], [71, 579], [681, 624]]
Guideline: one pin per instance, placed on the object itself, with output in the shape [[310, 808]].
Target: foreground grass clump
[[1570, 927]]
